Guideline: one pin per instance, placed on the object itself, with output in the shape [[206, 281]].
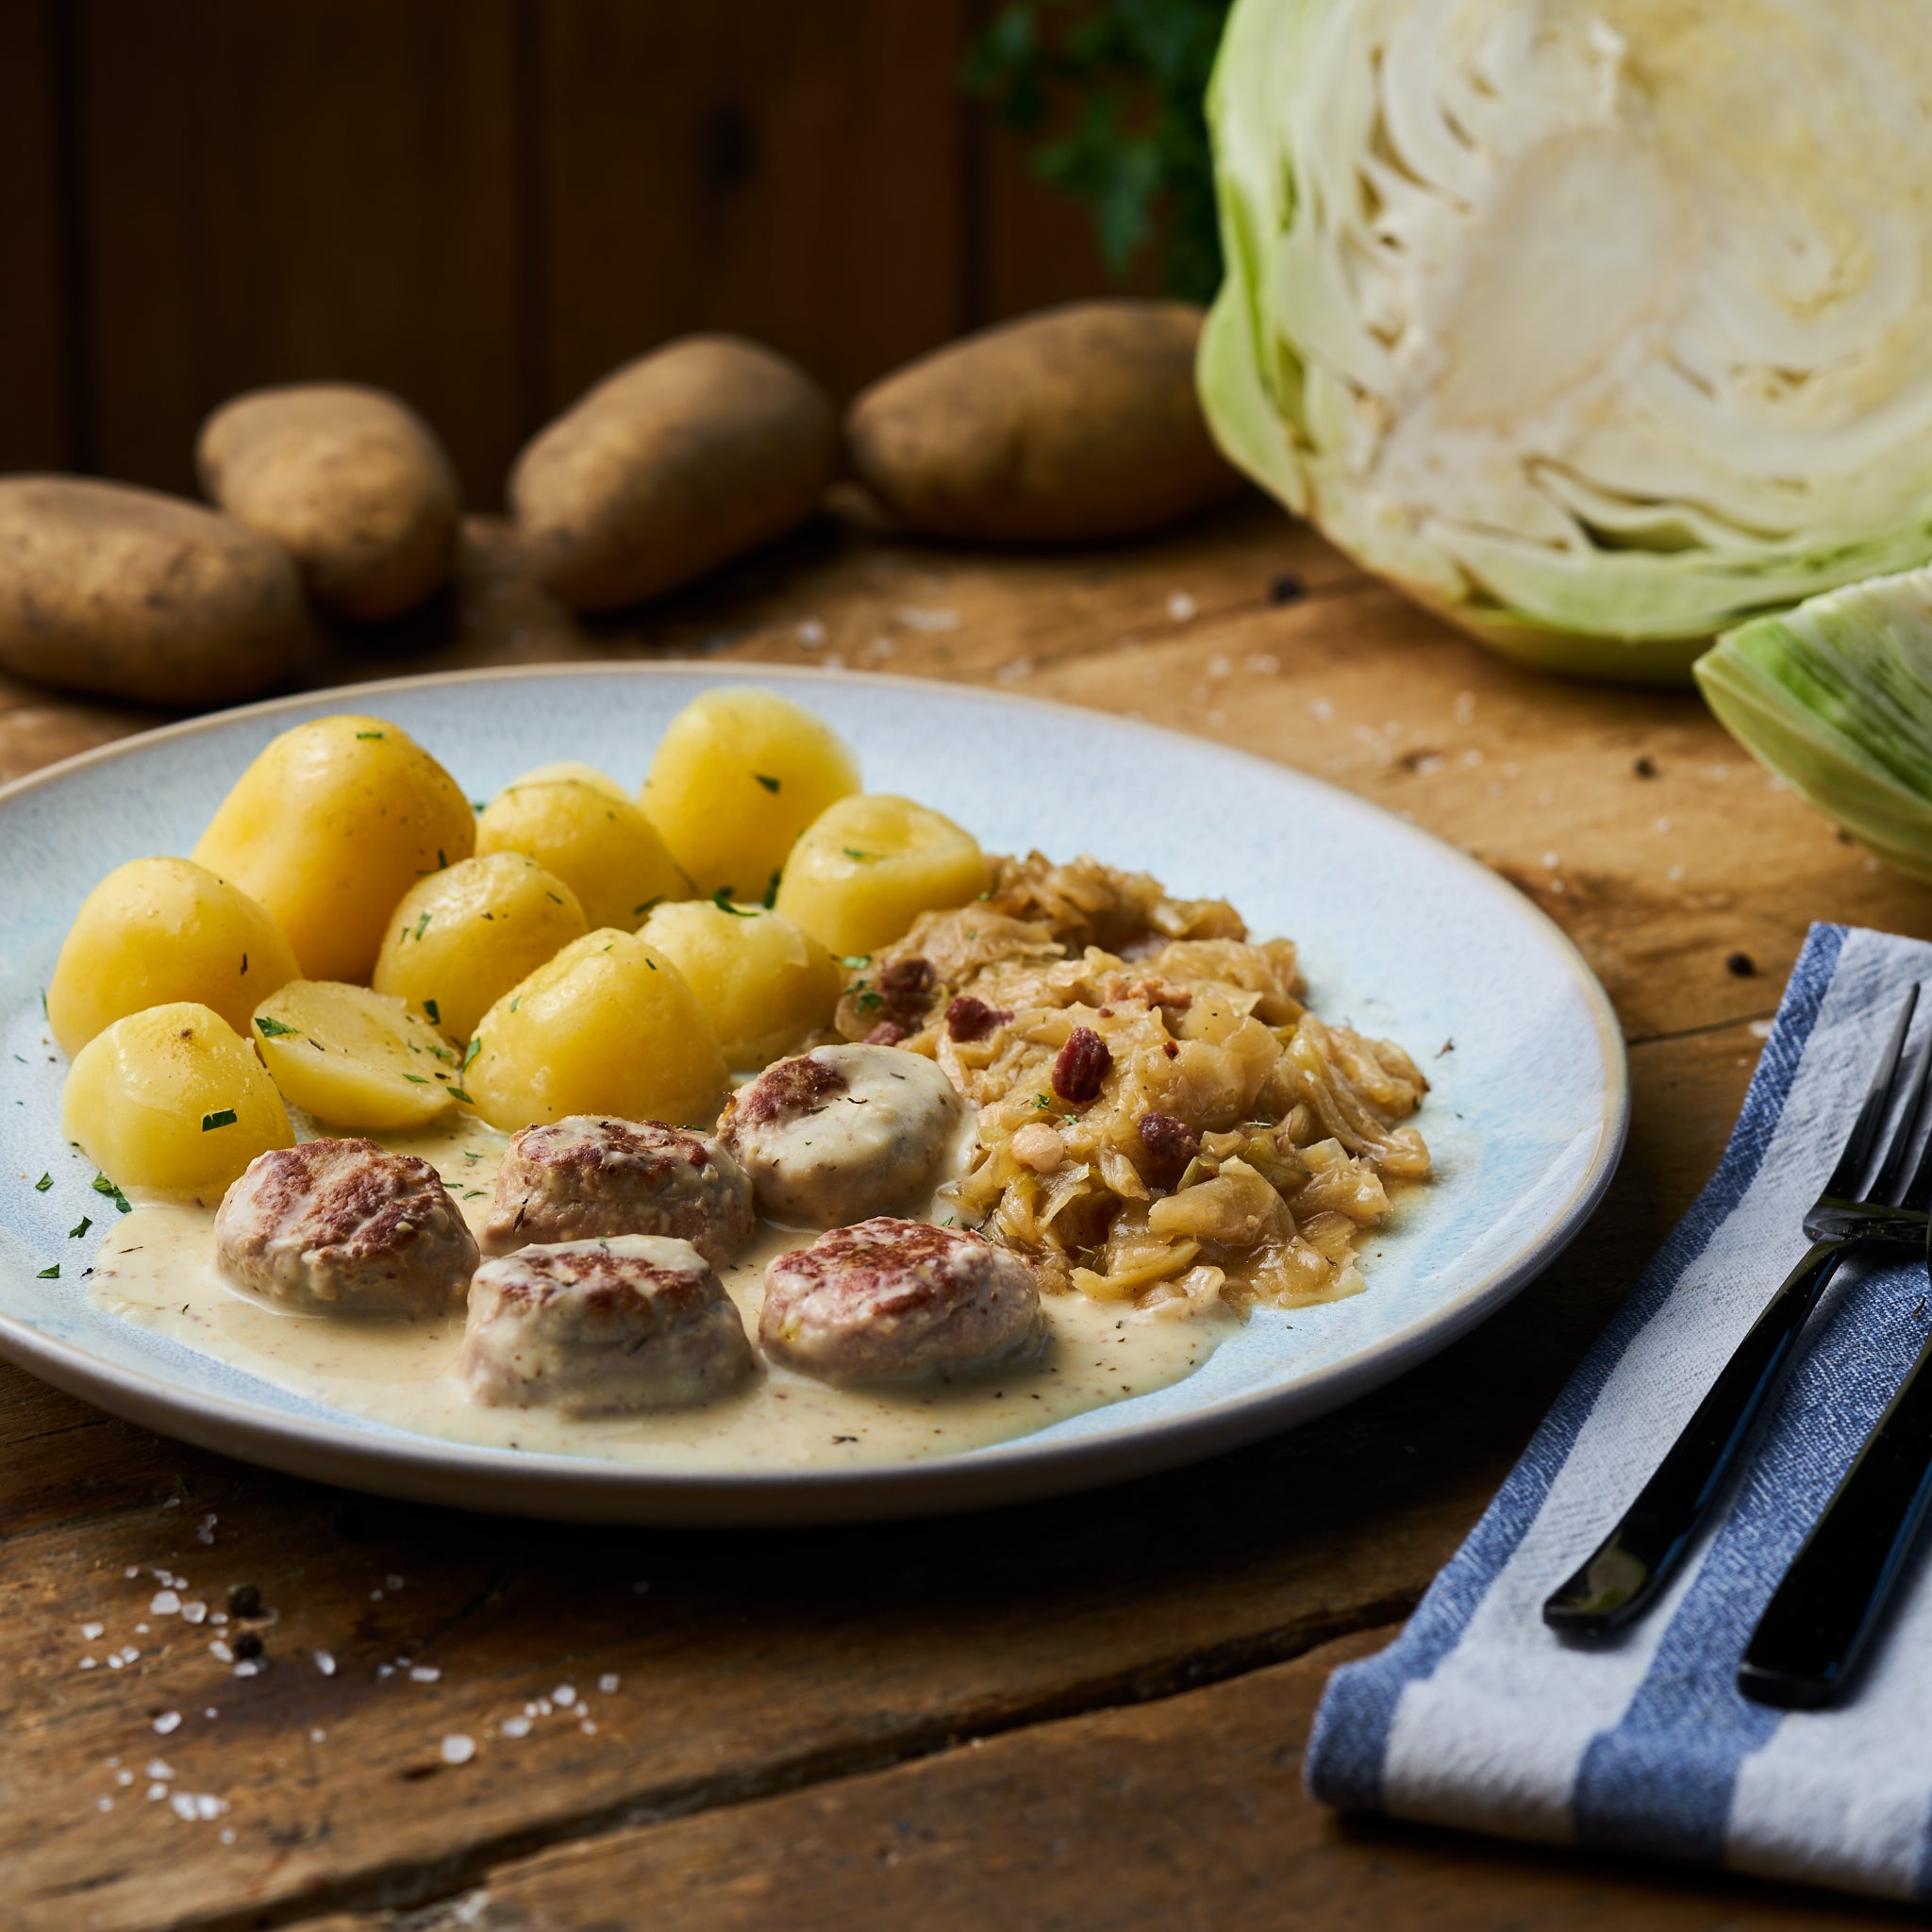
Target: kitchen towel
[[1480, 1717]]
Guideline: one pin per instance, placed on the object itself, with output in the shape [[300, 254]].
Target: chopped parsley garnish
[[420, 1080], [469, 1053], [770, 897], [52, 1273], [421, 926], [457, 1093], [423, 871], [244, 962], [73, 1234], [435, 1017], [46, 1181], [856, 962], [552, 897], [868, 999], [722, 900], [770, 784], [479, 805], [272, 1029], [852, 851], [516, 1003], [369, 734], [224, 1117], [102, 1185]]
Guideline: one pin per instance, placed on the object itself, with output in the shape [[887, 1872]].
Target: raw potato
[[133, 594], [148, 1102], [353, 1057], [596, 840], [157, 931], [329, 826], [672, 465], [349, 480], [765, 984], [868, 866], [606, 1027], [1072, 424], [462, 939], [738, 774]]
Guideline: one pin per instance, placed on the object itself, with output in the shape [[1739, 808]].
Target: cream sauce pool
[[157, 1268]]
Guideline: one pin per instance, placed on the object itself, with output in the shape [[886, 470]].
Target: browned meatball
[[842, 1132], [896, 1298], [588, 1175], [343, 1227], [592, 1327]]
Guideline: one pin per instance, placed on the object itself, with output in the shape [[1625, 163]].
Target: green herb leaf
[[52, 1273], [269, 1027], [852, 851], [770, 784], [73, 1234], [102, 1185], [722, 900], [225, 1117], [457, 1093], [369, 734], [420, 1080], [46, 1181], [868, 999], [469, 1053], [479, 805], [430, 1007], [856, 962], [770, 897]]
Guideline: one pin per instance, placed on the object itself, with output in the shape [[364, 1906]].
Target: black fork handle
[[1636, 1560], [1822, 1616]]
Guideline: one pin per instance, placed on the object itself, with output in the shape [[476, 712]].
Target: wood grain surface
[[1080, 1714]]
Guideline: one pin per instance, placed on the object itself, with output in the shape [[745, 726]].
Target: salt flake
[[458, 1749]]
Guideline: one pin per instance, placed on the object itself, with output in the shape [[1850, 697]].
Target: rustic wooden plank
[[320, 188], [752, 1663], [790, 172], [35, 433], [1188, 1812]]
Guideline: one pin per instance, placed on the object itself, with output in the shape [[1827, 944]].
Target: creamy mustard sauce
[[157, 1268]]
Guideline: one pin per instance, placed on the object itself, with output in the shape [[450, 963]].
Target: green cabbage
[[1836, 696], [1597, 325]]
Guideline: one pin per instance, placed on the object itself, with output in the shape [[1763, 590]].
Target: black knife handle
[[1635, 1560], [1819, 1620]]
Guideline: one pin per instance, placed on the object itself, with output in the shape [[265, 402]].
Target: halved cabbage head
[[1837, 697], [1595, 324]]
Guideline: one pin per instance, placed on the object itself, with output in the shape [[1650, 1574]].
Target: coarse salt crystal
[[157, 1792], [458, 1749], [91, 1631], [515, 1728], [608, 1682], [209, 1710], [141, 1629], [811, 633], [193, 1612], [165, 1603], [375, 1596], [86, 1663], [1181, 607], [384, 1672], [168, 1721], [159, 1767], [114, 1660], [589, 1729], [325, 1662], [565, 1695], [219, 1650], [1761, 1029], [227, 1833], [248, 1667], [123, 1777], [104, 1804], [1550, 861], [172, 1503], [205, 1533], [132, 1569], [316, 1736], [927, 620], [424, 1674]]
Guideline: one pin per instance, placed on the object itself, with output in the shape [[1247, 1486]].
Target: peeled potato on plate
[[869, 865], [355, 1058], [160, 931], [593, 839], [765, 984], [172, 1099]]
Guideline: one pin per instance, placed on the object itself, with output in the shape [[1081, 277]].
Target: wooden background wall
[[483, 205]]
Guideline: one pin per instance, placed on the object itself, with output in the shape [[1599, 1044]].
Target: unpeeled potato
[[172, 1099], [356, 1057], [869, 865], [329, 826], [738, 776], [765, 984], [462, 939], [157, 931], [608, 1026]]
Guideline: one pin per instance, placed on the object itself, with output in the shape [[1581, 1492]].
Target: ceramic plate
[[1400, 934]]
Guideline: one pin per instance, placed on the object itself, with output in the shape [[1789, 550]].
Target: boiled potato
[[608, 1026], [1076, 423], [172, 1099], [559, 770], [868, 866], [349, 480], [133, 594], [738, 774], [356, 1057], [672, 465], [157, 931], [596, 842], [329, 826], [462, 939], [765, 984]]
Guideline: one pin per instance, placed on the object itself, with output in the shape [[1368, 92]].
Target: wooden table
[[1086, 1713]]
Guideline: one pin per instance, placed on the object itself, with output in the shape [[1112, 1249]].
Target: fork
[[1624, 1574]]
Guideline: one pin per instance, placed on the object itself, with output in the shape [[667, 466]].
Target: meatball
[[898, 1298], [842, 1132], [587, 1175], [343, 1227], [594, 1327]]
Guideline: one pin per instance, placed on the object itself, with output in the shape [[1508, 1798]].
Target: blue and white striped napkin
[[1480, 1717]]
